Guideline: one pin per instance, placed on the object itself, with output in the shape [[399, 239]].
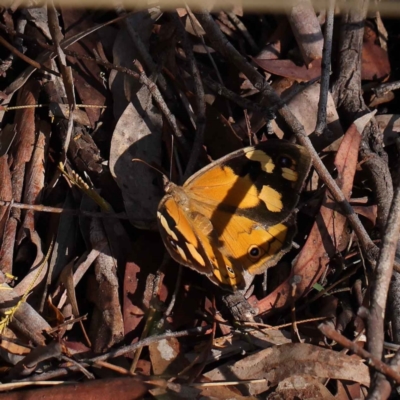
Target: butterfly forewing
[[262, 182]]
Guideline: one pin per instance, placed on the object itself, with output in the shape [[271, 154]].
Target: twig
[[382, 388], [142, 77], [299, 88], [66, 323], [384, 88], [221, 44], [57, 210], [264, 327], [372, 361], [113, 367], [211, 58], [171, 305], [147, 341], [326, 69], [142, 50], [239, 100], [79, 367], [18, 385], [119, 352], [25, 58], [29, 363], [199, 97], [157, 96]]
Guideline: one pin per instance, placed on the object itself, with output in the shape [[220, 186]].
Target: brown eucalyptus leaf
[[10, 346], [38, 270], [280, 362], [38, 17], [35, 179], [5, 192], [107, 326]]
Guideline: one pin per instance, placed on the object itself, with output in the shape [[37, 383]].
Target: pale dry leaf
[[305, 107], [300, 387], [137, 135], [107, 326], [163, 355], [38, 16]]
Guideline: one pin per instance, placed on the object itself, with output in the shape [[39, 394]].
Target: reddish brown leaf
[[106, 389], [375, 61]]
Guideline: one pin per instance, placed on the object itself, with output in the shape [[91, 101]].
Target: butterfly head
[[169, 186]]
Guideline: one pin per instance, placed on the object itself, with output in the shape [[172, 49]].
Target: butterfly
[[235, 218]]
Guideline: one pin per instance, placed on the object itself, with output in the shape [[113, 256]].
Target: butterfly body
[[235, 217]]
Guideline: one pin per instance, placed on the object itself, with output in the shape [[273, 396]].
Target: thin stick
[[372, 361], [157, 96], [118, 352], [211, 58], [57, 210], [28, 60], [326, 69], [384, 88], [171, 305], [199, 97], [66, 323]]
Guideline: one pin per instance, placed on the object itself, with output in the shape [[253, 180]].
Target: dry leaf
[[280, 362]]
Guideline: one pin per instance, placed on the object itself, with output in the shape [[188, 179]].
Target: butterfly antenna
[[149, 165], [172, 157]]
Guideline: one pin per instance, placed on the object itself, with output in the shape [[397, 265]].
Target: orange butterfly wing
[[235, 216]]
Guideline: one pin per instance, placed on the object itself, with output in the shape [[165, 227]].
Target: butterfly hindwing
[[191, 241]]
